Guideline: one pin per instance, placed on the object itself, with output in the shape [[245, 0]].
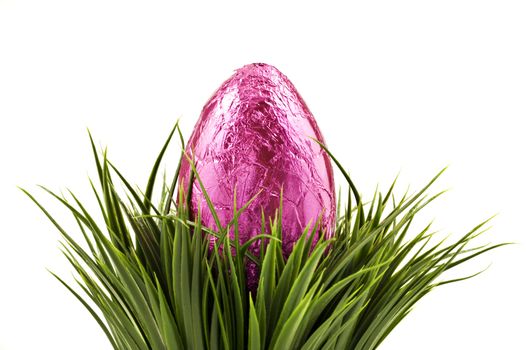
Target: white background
[[396, 86]]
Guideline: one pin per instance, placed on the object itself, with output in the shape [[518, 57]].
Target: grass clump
[[148, 276]]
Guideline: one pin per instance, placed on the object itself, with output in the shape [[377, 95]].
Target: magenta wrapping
[[253, 134]]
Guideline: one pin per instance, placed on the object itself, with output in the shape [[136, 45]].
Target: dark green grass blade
[[153, 174]]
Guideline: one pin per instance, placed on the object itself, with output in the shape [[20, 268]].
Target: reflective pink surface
[[254, 133]]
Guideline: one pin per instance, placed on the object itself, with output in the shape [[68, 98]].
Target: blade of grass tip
[[441, 283], [86, 237], [398, 256], [149, 245], [316, 230], [205, 194], [280, 263], [124, 326], [189, 191], [342, 170], [235, 218], [420, 286], [130, 189], [236, 215], [113, 211], [371, 208], [111, 280], [181, 138], [99, 201], [96, 157], [390, 191], [416, 196], [254, 340], [104, 275], [119, 206], [91, 224], [251, 240], [153, 174], [124, 331], [64, 202], [460, 261], [235, 222], [54, 222], [379, 211], [171, 191], [263, 245], [80, 218], [89, 308], [339, 202], [348, 217], [84, 217]]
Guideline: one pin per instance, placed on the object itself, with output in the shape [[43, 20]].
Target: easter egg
[[255, 134]]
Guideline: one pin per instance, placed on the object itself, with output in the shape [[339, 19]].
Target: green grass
[[148, 278]]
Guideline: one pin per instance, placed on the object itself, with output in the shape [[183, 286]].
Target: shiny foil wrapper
[[253, 134]]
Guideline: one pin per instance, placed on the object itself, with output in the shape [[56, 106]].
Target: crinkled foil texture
[[253, 134]]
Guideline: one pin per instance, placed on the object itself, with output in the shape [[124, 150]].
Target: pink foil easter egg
[[254, 133]]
